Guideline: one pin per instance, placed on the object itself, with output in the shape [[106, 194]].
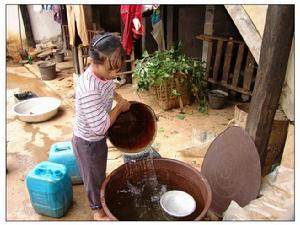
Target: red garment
[[128, 13]]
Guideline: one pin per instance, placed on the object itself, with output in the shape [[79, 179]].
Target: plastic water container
[[62, 152], [50, 189]]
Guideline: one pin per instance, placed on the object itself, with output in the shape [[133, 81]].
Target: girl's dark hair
[[107, 49]]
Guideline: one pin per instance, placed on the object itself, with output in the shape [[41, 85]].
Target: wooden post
[[275, 50], [208, 30], [179, 97], [175, 23], [217, 60], [27, 25], [80, 59], [75, 59], [144, 36], [172, 25], [208, 60]]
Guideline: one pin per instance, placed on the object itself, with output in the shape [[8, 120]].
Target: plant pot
[[47, 70], [217, 99]]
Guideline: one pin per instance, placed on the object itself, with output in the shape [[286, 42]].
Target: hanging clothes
[[38, 8], [158, 29], [57, 13], [47, 7], [128, 13], [155, 17], [75, 14]]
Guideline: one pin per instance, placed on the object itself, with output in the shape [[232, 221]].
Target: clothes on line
[[158, 29], [128, 13], [155, 17], [47, 7], [158, 35], [76, 17], [57, 13]]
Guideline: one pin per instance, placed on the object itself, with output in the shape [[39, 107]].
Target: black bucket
[[24, 96], [47, 70], [217, 99], [59, 56]]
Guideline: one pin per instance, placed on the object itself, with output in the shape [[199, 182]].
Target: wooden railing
[[230, 64]]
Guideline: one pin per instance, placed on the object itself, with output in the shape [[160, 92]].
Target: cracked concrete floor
[[29, 143]]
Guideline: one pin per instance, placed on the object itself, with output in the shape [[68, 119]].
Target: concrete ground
[[29, 143]]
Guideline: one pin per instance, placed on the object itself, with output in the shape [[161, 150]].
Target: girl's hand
[[117, 97], [124, 105]]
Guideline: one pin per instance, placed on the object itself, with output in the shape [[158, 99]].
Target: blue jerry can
[[50, 189], [62, 152]]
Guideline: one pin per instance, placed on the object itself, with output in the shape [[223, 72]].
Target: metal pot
[[217, 99], [134, 130]]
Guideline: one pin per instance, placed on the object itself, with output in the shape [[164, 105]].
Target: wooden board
[[217, 60], [248, 74], [227, 61], [228, 86], [211, 37], [208, 62], [237, 67], [46, 53]]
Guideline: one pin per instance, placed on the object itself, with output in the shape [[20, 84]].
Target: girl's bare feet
[[100, 215]]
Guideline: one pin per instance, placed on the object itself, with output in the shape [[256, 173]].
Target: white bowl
[[36, 109], [178, 203]]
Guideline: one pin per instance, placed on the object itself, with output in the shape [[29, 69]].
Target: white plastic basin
[[178, 203], [36, 109]]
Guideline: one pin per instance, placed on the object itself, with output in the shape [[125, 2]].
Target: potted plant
[[173, 76]]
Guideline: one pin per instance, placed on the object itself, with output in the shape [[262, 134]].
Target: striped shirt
[[94, 98]]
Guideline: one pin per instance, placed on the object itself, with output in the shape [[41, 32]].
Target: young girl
[[94, 97]]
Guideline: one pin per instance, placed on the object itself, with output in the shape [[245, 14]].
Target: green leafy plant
[[155, 69]]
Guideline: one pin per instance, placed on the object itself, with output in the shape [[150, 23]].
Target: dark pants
[[91, 159]]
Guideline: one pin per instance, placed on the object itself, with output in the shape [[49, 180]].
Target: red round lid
[[232, 168]]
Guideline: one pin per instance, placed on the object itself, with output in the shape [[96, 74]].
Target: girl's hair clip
[[100, 39]]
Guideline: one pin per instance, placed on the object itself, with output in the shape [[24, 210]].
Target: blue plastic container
[[50, 189], [62, 152]]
